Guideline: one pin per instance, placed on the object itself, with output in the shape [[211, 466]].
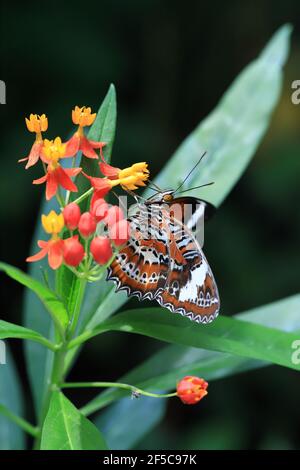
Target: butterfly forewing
[[163, 261]]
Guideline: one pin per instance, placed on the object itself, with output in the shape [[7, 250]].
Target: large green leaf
[[11, 396], [65, 428], [225, 334], [48, 298], [164, 368], [103, 129], [38, 359], [125, 423], [230, 135], [10, 330], [232, 132]]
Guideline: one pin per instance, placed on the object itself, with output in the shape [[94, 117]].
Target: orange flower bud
[[119, 232], [73, 251], [99, 209], [87, 225], [114, 215], [101, 250], [72, 215], [191, 389]]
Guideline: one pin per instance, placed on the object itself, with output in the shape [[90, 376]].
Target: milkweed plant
[[80, 231]]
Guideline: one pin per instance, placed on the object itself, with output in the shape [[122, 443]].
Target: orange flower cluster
[[51, 152], [85, 244], [82, 248]]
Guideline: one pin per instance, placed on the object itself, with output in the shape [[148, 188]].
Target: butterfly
[[163, 259]]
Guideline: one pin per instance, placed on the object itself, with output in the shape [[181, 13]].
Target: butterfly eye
[[168, 197]]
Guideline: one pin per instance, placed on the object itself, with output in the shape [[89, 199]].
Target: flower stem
[[131, 388], [77, 308], [59, 371], [84, 196], [27, 427], [57, 375]]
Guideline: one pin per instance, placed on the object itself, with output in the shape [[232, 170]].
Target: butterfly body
[[163, 259]]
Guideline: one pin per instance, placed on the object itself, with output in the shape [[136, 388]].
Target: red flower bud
[[71, 215], [114, 215], [101, 249], [73, 251], [119, 232], [191, 389], [87, 225], [99, 209]]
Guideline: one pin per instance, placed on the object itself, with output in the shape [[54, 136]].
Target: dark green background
[[171, 63]]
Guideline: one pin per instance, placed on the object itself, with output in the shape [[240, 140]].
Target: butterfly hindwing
[[190, 288], [141, 267], [163, 261]]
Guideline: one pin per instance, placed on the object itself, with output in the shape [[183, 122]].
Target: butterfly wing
[[163, 261], [141, 267], [190, 288]]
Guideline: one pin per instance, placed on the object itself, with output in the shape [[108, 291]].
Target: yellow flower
[[83, 116], [133, 176], [129, 178], [53, 150], [37, 123], [53, 223]]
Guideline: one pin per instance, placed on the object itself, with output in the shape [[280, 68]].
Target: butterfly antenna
[[191, 171], [196, 187], [157, 188], [135, 196]]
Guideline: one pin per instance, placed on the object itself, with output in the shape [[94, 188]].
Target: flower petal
[[55, 254], [40, 255], [87, 148], [41, 180], [51, 184], [72, 146], [34, 155], [108, 170], [72, 171], [64, 179], [100, 184]]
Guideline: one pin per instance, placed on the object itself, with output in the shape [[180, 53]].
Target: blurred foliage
[[170, 64]]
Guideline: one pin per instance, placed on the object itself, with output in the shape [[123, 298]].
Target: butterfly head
[[161, 197]]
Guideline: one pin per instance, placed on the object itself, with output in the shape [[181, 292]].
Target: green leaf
[[103, 130], [225, 334], [125, 423], [65, 428], [53, 305], [10, 330], [167, 366], [11, 396], [230, 135], [232, 132]]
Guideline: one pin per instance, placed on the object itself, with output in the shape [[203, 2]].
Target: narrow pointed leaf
[[163, 369], [65, 428], [48, 298], [230, 135]]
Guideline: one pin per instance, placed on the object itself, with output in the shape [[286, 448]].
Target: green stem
[[27, 427], [77, 308], [131, 388], [57, 375], [60, 199], [84, 196], [82, 338], [68, 193]]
